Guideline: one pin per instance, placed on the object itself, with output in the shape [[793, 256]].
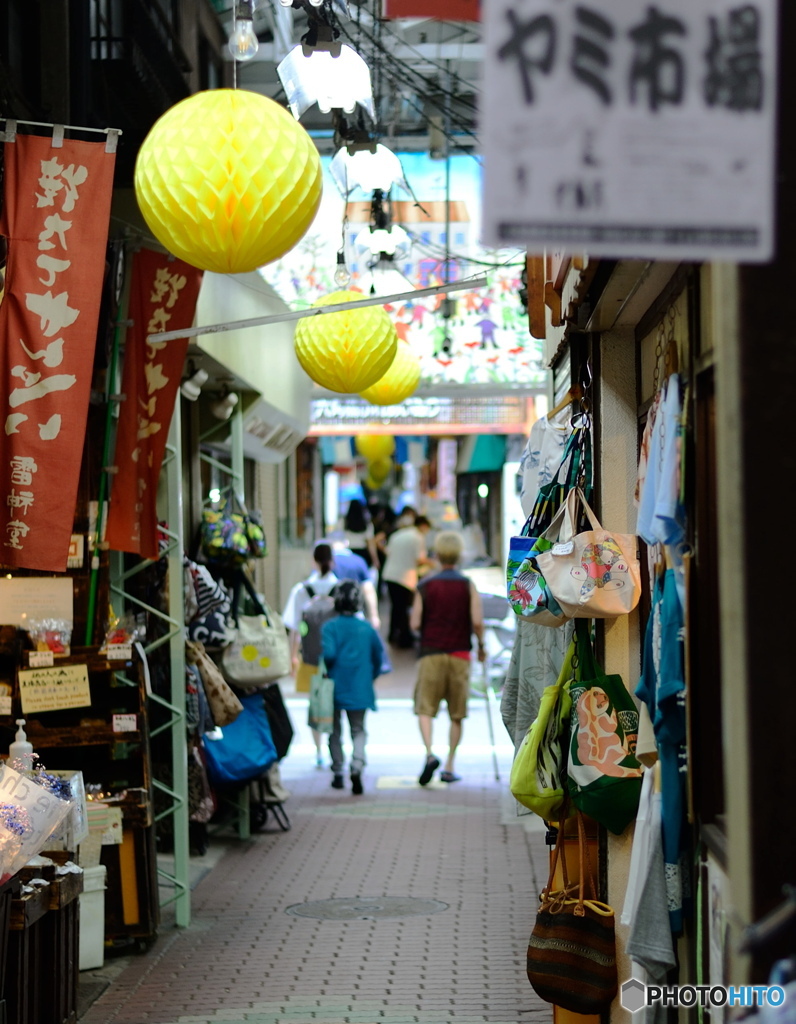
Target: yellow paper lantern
[[228, 180], [380, 469], [346, 351], [399, 382], [371, 484], [375, 446]]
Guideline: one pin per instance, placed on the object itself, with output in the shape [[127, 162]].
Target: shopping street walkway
[[387, 954]]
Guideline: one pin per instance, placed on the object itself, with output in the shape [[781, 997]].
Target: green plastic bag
[[603, 775], [321, 710], [538, 775]]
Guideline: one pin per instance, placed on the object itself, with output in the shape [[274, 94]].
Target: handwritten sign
[[634, 130], [27, 599], [53, 689]]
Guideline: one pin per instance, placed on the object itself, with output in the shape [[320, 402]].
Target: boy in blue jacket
[[352, 653]]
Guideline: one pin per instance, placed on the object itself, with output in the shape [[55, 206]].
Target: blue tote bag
[[247, 749]]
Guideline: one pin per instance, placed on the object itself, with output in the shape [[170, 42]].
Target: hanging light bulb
[[243, 42], [341, 274]]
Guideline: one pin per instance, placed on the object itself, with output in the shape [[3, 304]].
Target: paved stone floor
[[246, 959]]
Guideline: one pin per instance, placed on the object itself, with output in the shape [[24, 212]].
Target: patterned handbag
[[572, 950], [231, 535], [526, 588], [603, 774], [593, 574]]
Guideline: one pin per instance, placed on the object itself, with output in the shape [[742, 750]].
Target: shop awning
[[481, 453]]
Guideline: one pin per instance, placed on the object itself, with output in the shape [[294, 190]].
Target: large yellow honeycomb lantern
[[379, 469], [228, 180], [375, 446], [346, 351], [399, 382]]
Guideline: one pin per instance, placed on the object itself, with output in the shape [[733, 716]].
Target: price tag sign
[[119, 652], [125, 723], [5, 705], [40, 659]]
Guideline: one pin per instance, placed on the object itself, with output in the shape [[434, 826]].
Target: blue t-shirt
[[348, 566]]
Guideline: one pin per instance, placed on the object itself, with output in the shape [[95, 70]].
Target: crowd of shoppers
[[333, 620]]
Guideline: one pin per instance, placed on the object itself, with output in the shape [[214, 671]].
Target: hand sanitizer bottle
[[21, 750]]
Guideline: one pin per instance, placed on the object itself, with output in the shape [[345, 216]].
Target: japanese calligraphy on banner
[[163, 294], [620, 128], [56, 212], [451, 10]]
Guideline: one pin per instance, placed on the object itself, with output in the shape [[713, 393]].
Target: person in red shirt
[[446, 612]]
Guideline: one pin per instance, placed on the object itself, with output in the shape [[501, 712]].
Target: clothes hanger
[[574, 393]]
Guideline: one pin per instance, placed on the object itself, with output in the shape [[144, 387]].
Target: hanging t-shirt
[[660, 516], [540, 459], [662, 688]]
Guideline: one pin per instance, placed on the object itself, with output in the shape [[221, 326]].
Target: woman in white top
[[359, 532], [320, 583]]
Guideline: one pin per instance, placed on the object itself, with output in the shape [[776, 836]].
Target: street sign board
[[627, 129]]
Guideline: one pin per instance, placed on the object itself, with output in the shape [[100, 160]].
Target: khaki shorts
[[442, 677]]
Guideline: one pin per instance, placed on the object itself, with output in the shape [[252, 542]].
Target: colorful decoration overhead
[[228, 180], [481, 337], [380, 469], [399, 382], [347, 351], [375, 446], [56, 211]]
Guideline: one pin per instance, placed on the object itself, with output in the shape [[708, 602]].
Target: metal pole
[[179, 741], [299, 314]]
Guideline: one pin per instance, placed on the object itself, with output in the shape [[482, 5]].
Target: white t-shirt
[[540, 459], [405, 548], [359, 541]]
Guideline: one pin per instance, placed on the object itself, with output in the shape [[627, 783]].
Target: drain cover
[[366, 908]]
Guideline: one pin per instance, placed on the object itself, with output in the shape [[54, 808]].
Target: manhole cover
[[366, 908]]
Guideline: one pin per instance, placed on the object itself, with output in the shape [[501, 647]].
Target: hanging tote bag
[[603, 774], [526, 587], [246, 750], [231, 535], [539, 771], [278, 718], [528, 592], [259, 653], [224, 704], [594, 574], [260, 649], [321, 707], [572, 950]]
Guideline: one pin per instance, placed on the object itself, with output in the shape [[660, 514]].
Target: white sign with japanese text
[[627, 129]]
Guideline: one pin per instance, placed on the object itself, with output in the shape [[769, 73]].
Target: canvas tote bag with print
[[594, 574]]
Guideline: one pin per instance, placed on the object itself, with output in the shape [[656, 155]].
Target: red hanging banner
[[56, 210], [451, 10], [163, 294]]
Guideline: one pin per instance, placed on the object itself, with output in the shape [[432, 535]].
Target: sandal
[[449, 777], [431, 765]]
